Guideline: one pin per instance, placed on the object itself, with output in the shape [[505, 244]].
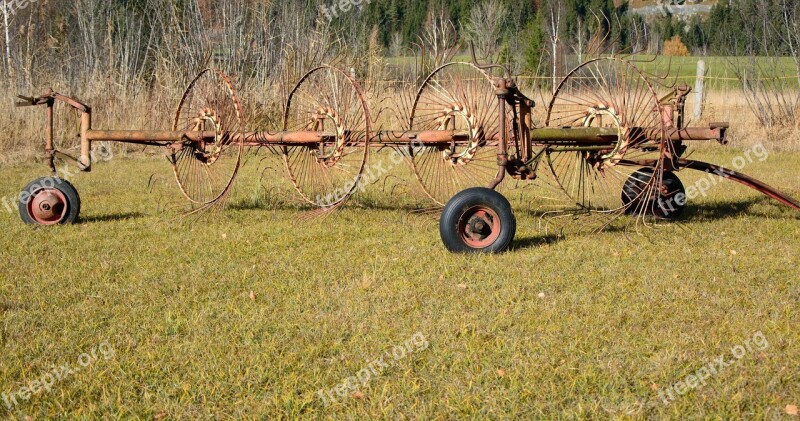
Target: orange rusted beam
[[152, 136]]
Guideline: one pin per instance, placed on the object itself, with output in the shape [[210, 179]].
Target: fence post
[[699, 87]]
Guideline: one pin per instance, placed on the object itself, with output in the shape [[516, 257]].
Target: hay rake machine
[[609, 141]]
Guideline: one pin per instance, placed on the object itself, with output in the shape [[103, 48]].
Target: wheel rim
[[479, 227], [206, 172], [48, 206], [663, 204], [461, 97], [328, 100]]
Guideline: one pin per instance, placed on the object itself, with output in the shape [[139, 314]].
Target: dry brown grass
[[732, 107], [25, 127]]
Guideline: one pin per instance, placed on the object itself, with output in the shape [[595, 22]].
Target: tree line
[[148, 42]]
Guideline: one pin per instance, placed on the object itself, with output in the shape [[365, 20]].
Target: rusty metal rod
[[697, 133], [138, 136], [266, 138], [725, 173], [575, 135], [589, 136]]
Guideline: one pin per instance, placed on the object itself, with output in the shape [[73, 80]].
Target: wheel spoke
[[461, 97], [327, 100], [607, 93], [206, 172]]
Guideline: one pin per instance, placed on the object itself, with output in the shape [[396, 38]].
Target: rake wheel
[[670, 204], [611, 93], [206, 170], [460, 97], [329, 101]]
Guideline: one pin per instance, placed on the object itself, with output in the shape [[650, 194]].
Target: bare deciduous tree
[[485, 26], [396, 44], [439, 38], [791, 21], [771, 97], [7, 33], [554, 16]]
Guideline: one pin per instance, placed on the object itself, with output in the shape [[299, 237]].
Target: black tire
[[464, 226], [71, 203], [668, 203]]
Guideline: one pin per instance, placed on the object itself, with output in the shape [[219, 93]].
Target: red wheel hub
[[479, 227], [48, 206]]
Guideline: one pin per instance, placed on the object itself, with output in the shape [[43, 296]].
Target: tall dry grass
[[132, 61], [732, 106]]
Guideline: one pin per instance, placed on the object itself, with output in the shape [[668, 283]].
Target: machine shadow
[[535, 241], [249, 205], [759, 206], [110, 217]]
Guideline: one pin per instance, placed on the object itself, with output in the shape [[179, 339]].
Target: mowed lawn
[[251, 312]]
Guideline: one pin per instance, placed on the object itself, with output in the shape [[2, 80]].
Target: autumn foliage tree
[[675, 47]]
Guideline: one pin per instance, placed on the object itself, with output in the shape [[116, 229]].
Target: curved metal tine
[[625, 52], [391, 103], [644, 60], [628, 51], [404, 103], [488, 67], [662, 78], [674, 83], [597, 43]]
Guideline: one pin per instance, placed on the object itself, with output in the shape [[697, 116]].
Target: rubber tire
[[65, 187], [665, 206], [467, 199]]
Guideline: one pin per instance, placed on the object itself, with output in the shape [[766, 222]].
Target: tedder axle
[[563, 136]]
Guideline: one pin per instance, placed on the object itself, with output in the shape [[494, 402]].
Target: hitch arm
[[49, 99]]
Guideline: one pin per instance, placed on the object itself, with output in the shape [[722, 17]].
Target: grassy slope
[[720, 71], [619, 313]]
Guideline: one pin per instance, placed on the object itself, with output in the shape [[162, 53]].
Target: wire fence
[[711, 82], [683, 77]]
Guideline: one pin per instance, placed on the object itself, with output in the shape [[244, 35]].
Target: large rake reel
[[329, 104], [612, 145], [459, 97], [205, 170]]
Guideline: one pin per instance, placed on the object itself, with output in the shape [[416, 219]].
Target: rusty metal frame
[[512, 103]]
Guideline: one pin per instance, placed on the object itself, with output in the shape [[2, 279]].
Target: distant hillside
[[676, 7]]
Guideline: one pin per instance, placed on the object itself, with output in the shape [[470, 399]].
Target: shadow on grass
[[110, 217], [7, 305], [758, 206], [248, 205], [532, 242]]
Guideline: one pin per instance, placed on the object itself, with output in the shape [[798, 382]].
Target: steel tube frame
[[508, 95]]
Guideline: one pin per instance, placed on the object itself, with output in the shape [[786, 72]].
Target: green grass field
[[720, 71], [581, 326]]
